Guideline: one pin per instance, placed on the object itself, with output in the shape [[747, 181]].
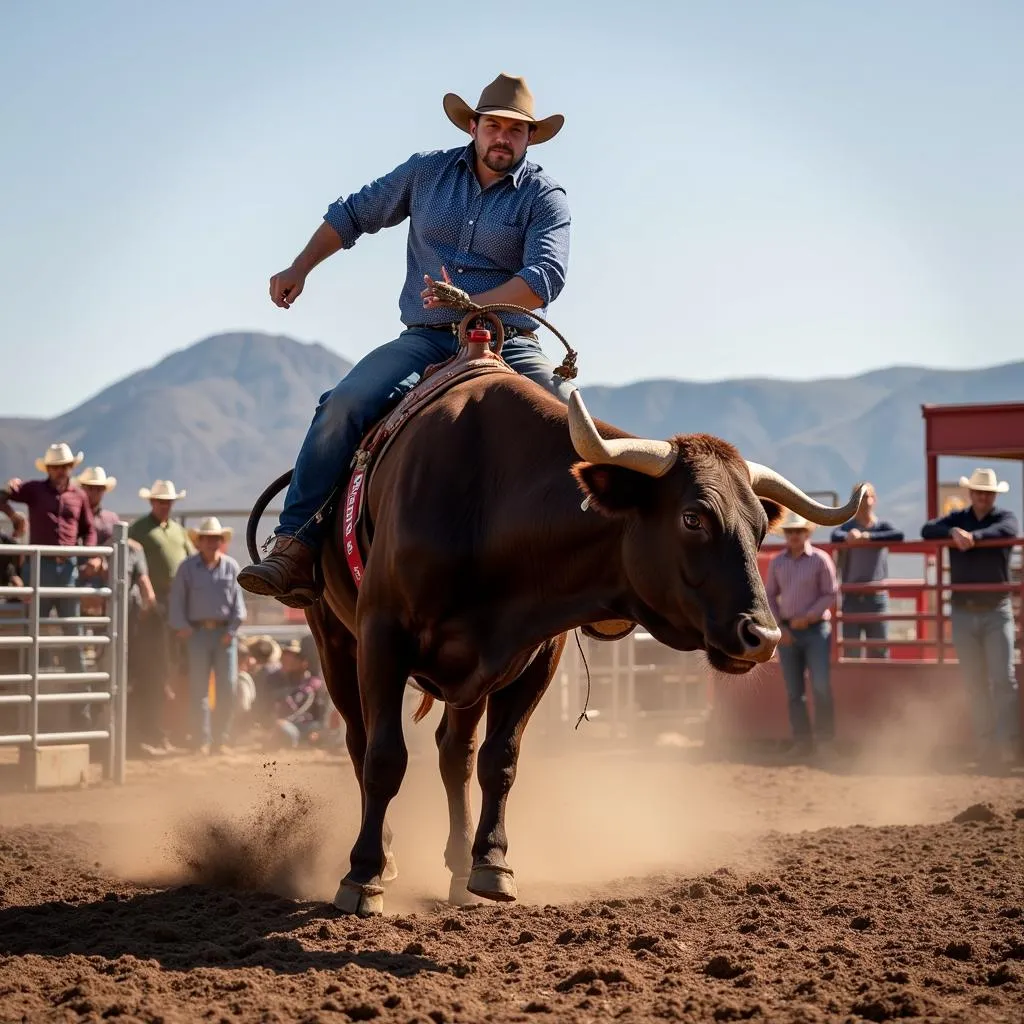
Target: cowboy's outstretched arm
[[515, 291], [324, 242]]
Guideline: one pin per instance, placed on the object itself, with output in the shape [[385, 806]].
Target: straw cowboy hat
[[791, 521], [984, 480], [162, 490], [264, 648], [58, 454], [210, 527], [506, 96], [96, 476]]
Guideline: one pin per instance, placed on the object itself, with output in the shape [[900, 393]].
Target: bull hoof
[[362, 900], [459, 894], [493, 883], [390, 872]]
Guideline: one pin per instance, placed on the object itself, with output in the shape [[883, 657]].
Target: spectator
[[166, 545], [983, 620], [300, 703], [59, 515], [862, 564], [801, 590], [97, 485], [206, 609]]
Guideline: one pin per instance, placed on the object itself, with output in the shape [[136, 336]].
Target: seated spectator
[[301, 701]]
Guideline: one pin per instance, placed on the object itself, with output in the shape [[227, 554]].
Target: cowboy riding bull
[[482, 557]]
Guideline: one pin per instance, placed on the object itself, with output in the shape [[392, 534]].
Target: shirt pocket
[[500, 242]]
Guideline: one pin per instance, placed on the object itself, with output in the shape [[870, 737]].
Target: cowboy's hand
[[13, 484], [855, 535], [226, 639], [787, 637], [286, 287], [430, 300], [963, 540], [95, 564], [800, 622]]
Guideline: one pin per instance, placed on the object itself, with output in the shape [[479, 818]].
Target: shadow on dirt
[[197, 926]]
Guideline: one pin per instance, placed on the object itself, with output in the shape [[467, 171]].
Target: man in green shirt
[[166, 544]]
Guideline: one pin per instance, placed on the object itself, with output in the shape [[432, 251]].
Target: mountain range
[[226, 415]]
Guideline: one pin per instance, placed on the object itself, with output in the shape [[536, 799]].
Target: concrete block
[[56, 767]]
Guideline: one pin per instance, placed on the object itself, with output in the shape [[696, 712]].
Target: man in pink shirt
[[801, 590]]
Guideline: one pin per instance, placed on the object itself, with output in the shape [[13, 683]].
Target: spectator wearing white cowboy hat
[[206, 609], [983, 620], [166, 545], [801, 590], [97, 485], [59, 514]]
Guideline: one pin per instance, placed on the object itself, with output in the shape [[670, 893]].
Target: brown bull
[[483, 559]]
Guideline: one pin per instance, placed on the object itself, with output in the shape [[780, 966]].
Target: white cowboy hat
[[984, 480], [58, 454], [96, 476], [162, 490], [210, 527], [792, 521]]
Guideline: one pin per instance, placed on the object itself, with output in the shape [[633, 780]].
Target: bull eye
[[692, 521]]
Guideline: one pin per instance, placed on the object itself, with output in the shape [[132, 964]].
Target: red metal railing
[[932, 641]]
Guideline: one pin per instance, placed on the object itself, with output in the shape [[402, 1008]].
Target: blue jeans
[[865, 604], [367, 391], [809, 650], [207, 652], [984, 648]]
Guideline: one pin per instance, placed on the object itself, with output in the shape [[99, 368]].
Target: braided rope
[[452, 295]]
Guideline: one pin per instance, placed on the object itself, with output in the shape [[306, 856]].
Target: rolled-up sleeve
[[383, 203], [546, 246]]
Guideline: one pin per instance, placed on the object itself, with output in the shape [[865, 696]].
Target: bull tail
[[421, 712]]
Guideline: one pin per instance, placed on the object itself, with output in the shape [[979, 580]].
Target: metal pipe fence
[[103, 691]]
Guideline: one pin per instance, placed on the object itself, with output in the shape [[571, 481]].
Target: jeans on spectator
[[865, 604], [365, 393], [809, 651], [207, 652], [291, 735], [147, 676], [984, 648]]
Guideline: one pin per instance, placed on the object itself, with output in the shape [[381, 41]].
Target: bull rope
[[453, 295]]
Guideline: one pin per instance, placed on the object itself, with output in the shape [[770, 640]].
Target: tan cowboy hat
[[210, 527], [162, 490], [506, 96], [984, 480], [96, 476], [293, 646], [58, 454], [265, 647]]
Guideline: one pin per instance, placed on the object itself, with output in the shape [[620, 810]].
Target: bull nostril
[[755, 637]]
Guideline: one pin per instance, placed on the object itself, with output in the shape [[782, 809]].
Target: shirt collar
[[807, 549], [514, 173]]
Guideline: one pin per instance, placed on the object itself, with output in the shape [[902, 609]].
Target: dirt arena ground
[[662, 887]]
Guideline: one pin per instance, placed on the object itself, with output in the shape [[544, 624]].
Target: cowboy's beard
[[498, 158]]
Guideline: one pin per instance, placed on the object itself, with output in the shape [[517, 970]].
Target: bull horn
[[652, 458], [766, 483]]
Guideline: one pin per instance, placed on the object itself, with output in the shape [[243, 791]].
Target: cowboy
[[59, 514], [96, 484], [865, 562], [206, 609], [801, 589], [301, 702], [983, 620], [166, 545], [499, 221]]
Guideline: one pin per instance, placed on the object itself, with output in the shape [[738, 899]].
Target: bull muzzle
[[757, 642]]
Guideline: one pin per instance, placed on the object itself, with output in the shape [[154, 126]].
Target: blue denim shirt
[[518, 227]]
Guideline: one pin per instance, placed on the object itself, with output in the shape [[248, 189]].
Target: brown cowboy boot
[[286, 574]]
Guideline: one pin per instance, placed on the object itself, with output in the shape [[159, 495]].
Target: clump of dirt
[[272, 848], [976, 812]]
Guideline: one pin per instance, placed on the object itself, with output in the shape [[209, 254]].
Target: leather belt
[[210, 624], [510, 332]]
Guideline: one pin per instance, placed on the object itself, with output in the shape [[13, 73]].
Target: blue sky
[[783, 189]]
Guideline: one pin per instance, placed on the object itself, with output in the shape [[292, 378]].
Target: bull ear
[[614, 490], [774, 513]]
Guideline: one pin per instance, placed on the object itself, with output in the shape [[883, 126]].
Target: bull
[[484, 558]]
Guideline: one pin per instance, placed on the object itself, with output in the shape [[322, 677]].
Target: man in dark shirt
[[983, 620], [59, 514], [865, 564]]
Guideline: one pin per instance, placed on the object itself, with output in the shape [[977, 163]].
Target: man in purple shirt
[[58, 514], [801, 591]]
